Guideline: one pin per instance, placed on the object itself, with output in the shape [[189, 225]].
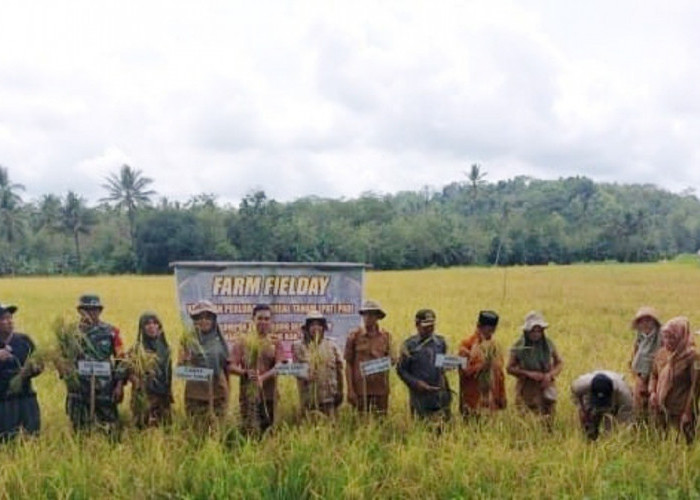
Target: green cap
[[90, 301], [425, 317]]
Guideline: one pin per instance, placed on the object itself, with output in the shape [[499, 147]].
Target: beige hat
[[533, 319], [314, 315], [203, 306], [372, 306], [646, 312]]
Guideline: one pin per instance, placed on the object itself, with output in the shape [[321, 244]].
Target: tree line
[[467, 222]]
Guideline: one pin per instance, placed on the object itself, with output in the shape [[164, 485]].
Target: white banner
[[448, 362], [96, 368], [194, 373], [373, 366], [293, 369]]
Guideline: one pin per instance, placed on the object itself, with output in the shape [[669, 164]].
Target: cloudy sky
[[337, 98]]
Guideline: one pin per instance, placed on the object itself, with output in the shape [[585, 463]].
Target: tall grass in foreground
[[588, 308]]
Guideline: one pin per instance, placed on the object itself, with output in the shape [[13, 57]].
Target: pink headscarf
[[678, 359]]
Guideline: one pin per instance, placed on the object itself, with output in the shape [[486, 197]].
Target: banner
[[291, 290]]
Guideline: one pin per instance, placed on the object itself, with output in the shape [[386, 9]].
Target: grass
[[588, 307]]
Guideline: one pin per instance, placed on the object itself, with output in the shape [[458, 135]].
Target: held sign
[[293, 369], [373, 366], [447, 362], [96, 368], [194, 373]]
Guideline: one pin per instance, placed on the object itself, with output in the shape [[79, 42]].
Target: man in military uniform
[[364, 343], [100, 342], [429, 391]]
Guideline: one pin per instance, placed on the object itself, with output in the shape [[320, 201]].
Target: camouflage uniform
[[101, 342]]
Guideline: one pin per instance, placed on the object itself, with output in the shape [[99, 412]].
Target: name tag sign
[[194, 373], [293, 369], [448, 362], [96, 368], [373, 366]]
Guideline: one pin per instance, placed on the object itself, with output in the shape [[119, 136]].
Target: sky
[[334, 99]]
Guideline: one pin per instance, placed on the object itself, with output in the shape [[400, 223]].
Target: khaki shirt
[[271, 353], [325, 368], [361, 346]]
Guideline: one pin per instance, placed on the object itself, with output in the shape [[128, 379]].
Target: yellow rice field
[[588, 307]]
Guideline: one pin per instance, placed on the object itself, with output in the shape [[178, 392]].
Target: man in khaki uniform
[[365, 343], [254, 358]]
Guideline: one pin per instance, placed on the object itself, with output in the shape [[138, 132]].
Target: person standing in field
[[322, 389], [207, 349], [430, 394], [368, 342], [647, 325], [101, 343], [601, 397], [535, 362], [482, 382], [19, 409], [254, 358], [151, 392], [673, 383]]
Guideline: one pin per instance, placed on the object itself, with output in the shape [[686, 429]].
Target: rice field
[[589, 308]]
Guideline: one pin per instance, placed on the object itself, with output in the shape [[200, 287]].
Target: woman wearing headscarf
[[482, 382], [207, 349], [673, 380], [648, 328], [535, 362], [150, 374], [322, 389]]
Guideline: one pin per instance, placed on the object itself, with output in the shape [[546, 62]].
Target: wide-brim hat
[[314, 315], [90, 301], [646, 312], [372, 306], [533, 319], [7, 308], [203, 306], [601, 391]]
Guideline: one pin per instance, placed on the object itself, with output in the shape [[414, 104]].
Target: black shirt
[[20, 346]]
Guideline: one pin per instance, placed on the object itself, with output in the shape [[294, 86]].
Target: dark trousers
[[19, 414]]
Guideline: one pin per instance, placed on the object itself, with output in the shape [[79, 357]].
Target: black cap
[[488, 318], [601, 391], [7, 308]]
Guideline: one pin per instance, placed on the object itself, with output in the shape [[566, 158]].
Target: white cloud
[[335, 99]]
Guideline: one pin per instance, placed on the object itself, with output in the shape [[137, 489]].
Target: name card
[[373, 366], [194, 373], [448, 362], [96, 368], [292, 369]]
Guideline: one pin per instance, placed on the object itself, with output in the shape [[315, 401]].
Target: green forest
[[470, 221]]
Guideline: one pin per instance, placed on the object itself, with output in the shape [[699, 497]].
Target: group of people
[[664, 364]]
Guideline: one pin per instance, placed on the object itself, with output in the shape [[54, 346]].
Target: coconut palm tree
[[12, 216], [76, 219], [128, 191], [476, 178]]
